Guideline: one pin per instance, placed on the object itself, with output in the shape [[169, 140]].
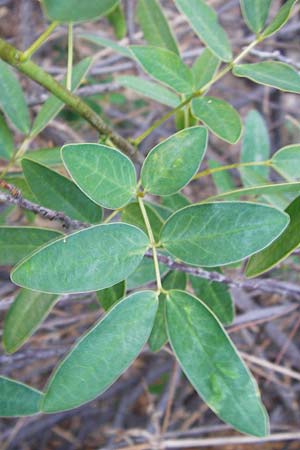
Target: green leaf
[[216, 296], [159, 337], [103, 173], [110, 296], [222, 179], [104, 42], [18, 181], [88, 260], [132, 214], [172, 163], [12, 100], [279, 249], [255, 13], [175, 201], [280, 19], [267, 189], [144, 274], [219, 116], [215, 234], [165, 66], [270, 73], [155, 26], [204, 21], [117, 19], [102, 354], [6, 140], [18, 242], [255, 147], [212, 364], [57, 192], [24, 316], [161, 210], [74, 11], [54, 105], [150, 90], [18, 399], [286, 161], [204, 68], [45, 156]]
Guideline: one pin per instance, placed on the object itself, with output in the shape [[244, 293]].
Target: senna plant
[[148, 221]]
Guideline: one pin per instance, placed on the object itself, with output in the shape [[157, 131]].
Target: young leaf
[[279, 249], [24, 316], [204, 68], [132, 214], [159, 337], [57, 192], [216, 296], [18, 242], [256, 146], [117, 19], [54, 105], [150, 90], [74, 11], [280, 19], [270, 73], [155, 26], [101, 355], [175, 201], [103, 173], [222, 180], [18, 399], [172, 163], [104, 42], [12, 100], [88, 260], [6, 140], [204, 21], [215, 234], [219, 116], [267, 189], [144, 274], [165, 66], [255, 13], [110, 296], [215, 369], [286, 161]]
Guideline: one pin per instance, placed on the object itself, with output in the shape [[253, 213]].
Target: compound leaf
[[219, 116], [103, 173], [57, 192], [204, 68], [204, 21], [6, 140], [102, 354], [255, 13], [24, 316], [280, 19], [215, 369], [88, 260], [270, 73], [172, 163], [286, 161], [18, 399], [110, 296], [132, 214], [165, 66], [215, 234]]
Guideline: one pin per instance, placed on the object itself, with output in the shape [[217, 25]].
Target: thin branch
[[15, 58]]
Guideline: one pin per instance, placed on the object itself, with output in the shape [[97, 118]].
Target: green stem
[[199, 93], [15, 58], [70, 57], [40, 41], [152, 243], [206, 172]]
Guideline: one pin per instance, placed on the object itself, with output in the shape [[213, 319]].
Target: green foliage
[[225, 383], [147, 218], [76, 380]]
